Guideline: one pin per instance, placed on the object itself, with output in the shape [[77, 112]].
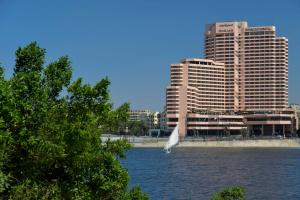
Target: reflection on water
[[197, 173]]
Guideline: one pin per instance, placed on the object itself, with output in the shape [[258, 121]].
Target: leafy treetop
[[50, 146]]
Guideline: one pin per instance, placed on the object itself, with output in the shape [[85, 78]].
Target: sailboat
[[173, 140]]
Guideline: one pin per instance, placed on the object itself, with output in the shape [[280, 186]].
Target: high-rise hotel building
[[256, 65], [245, 70]]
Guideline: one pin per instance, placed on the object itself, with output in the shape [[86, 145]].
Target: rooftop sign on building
[[225, 27]]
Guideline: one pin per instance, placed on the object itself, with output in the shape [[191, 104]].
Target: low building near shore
[[273, 123], [151, 119], [296, 108], [206, 124]]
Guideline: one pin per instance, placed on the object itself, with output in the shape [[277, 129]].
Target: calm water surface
[[197, 173]]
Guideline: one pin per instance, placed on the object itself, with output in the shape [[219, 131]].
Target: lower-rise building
[[149, 118], [296, 109], [281, 122], [195, 101]]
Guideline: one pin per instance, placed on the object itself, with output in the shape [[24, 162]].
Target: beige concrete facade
[[275, 123], [256, 65], [244, 75], [197, 85], [149, 118]]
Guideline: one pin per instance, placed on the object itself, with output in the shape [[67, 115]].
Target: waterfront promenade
[[272, 143], [150, 142]]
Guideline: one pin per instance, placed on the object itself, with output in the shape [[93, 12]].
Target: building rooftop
[[199, 61]]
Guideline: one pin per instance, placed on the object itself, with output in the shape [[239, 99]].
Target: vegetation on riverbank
[[232, 193], [50, 128]]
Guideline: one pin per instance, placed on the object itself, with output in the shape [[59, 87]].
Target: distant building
[[149, 118], [296, 108], [154, 120], [138, 115], [163, 120]]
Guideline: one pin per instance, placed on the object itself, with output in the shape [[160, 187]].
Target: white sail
[[173, 140]]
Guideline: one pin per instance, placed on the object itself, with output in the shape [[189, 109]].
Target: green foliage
[[136, 194], [50, 145], [137, 128], [117, 120], [232, 193], [244, 132], [30, 58], [32, 190]]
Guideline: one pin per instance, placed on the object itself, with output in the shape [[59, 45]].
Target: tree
[[244, 132], [232, 193], [117, 120], [226, 131], [137, 128], [50, 146]]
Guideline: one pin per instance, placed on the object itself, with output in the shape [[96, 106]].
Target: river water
[[197, 173]]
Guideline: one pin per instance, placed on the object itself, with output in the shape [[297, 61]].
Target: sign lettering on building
[[225, 27]]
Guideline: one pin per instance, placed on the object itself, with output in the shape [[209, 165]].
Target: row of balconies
[[264, 97], [260, 54], [228, 42], [268, 122], [173, 92], [270, 91], [268, 36], [274, 62], [206, 92], [265, 84], [173, 96], [265, 67], [202, 95], [266, 90], [175, 73], [273, 88], [204, 68], [264, 39], [259, 77], [203, 72], [193, 106], [255, 31], [264, 74], [207, 99], [176, 78], [282, 79], [212, 88], [262, 57], [260, 51], [215, 73], [208, 79], [270, 102], [263, 47], [222, 38]]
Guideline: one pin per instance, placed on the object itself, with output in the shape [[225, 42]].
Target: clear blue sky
[[133, 42]]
